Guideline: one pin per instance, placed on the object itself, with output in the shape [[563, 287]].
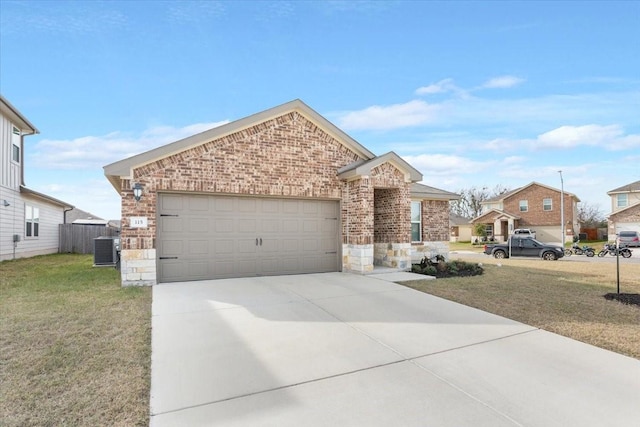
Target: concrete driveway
[[338, 349]]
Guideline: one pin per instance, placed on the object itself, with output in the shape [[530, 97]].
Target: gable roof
[[494, 214], [44, 197], [508, 194], [455, 219], [124, 168], [421, 191], [363, 168], [624, 211], [16, 117], [629, 188]]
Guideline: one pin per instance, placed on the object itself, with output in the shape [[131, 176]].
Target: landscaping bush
[[438, 267]]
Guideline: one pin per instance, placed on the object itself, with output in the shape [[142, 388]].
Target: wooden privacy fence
[[76, 238]]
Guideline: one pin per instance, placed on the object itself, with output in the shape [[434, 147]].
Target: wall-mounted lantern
[[137, 191]]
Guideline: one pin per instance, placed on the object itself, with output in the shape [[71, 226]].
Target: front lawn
[[562, 297], [75, 344]]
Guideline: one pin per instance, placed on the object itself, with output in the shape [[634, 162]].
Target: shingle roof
[[634, 186], [427, 192]]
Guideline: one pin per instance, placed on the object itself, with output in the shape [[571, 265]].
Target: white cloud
[[88, 152], [502, 82], [610, 138], [573, 136], [412, 113], [442, 86]]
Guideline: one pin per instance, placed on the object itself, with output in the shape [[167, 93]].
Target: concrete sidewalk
[[341, 349]]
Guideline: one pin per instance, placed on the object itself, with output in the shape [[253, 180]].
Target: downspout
[[64, 215]]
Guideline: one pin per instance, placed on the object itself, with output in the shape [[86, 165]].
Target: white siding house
[[29, 220]]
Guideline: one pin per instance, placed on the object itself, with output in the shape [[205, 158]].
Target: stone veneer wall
[[357, 258], [392, 255], [430, 250]]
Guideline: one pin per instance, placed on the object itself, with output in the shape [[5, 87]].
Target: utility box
[[16, 238], [105, 252]]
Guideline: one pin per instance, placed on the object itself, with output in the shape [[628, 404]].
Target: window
[[524, 205], [547, 204], [489, 230], [622, 200], [32, 221], [416, 221], [15, 145]]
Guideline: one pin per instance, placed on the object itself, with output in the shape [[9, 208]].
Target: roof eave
[[45, 197], [16, 117], [123, 168]]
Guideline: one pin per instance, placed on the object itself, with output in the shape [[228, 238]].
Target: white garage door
[[212, 237], [627, 226]]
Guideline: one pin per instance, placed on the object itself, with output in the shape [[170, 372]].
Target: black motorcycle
[[576, 249], [610, 248]]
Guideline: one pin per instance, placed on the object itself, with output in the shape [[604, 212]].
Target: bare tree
[[470, 203], [590, 215]]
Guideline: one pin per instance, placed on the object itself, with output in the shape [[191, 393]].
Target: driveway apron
[[338, 349]]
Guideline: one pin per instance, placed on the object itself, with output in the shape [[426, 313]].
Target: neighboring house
[[28, 219], [625, 209], [283, 191], [534, 206], [461, 229], [72, 217]]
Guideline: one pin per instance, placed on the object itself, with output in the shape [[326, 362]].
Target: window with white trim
[[15, 144], [547, 204], [622, 200], [524, 205], [32, 221], [416, 221], [488, 230]]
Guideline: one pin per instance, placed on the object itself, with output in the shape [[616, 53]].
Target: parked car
[[629, 238], [524, 232], [524, 246]]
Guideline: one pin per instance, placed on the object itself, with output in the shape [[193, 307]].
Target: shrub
[[439, 268]]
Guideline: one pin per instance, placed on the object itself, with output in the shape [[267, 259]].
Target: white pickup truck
[[524, 232]]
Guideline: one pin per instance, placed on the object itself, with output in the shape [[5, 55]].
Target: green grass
[[75, 344], [565, 298]]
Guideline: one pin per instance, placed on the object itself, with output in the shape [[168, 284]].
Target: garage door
[[627, 226], [212, 237]]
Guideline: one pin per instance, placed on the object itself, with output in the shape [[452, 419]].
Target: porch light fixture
[[5, 203], [137, 191]]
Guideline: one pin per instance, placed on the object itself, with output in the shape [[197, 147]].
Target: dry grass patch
[[75, 345], [565, 298]]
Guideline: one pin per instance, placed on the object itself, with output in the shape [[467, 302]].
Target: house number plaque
[[138, 222]]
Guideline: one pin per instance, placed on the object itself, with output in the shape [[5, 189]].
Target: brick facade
[[507, 216], [288, 156], [284, 155], [435, 220], [626, 216], [536, 215]]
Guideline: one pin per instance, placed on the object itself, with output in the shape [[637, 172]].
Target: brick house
[[283, 191], [625, 209], [535, 206]]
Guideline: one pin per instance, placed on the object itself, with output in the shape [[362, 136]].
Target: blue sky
[[470, 93]]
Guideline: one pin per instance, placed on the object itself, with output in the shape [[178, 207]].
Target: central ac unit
[[104, 251]]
